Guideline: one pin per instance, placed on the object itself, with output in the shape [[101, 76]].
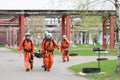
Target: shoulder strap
[[66, 41], [43, 40], [24, 43], [31, 43], [47, 45], [50, 43], [53, 42]]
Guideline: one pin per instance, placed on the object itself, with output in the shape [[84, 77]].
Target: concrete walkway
[[12, 67]]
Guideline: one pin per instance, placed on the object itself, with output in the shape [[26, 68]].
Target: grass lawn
[[107, 66], [1, 46], [13, 49], [83, 50], [87, 50]]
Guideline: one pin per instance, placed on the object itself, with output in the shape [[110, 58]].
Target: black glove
[[31, 59], [66, 52]]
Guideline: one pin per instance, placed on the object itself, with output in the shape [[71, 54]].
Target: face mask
[[64, 38], [47, 37], [28, 37]]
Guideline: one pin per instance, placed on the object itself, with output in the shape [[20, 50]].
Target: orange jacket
[[65, 43], [26, 45], [49, 45]]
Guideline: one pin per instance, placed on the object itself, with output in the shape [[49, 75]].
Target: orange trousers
[[48, 60], [27, 57], [64, 56]]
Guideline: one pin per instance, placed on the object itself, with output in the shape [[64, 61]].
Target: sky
[[54, 4]]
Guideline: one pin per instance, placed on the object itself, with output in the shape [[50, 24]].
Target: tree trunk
[[117, 5]]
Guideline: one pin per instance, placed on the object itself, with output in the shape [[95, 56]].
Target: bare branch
[[111, 1]]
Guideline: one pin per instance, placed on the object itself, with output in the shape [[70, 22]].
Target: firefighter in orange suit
[[64, 48], [48, 46], [27, 45], [45, 35]]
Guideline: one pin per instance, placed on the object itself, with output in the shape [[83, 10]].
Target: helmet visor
[[27, 37]]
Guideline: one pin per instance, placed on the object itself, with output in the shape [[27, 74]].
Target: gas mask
[[48, 37], [64, 37], [27, 37]]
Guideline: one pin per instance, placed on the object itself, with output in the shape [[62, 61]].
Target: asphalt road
[[12, 67]]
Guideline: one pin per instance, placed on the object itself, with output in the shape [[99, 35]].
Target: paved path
[[12, 67]]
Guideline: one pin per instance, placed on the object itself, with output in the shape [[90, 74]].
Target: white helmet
[[49, 36], [27, 34], [64, 37], [45, 33]]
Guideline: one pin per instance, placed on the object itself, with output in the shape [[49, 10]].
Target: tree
[[117, 5], [85, 4], [95, 38]]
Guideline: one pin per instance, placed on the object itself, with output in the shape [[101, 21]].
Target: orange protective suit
[[64, 46], [28, 48], [47, 51]]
